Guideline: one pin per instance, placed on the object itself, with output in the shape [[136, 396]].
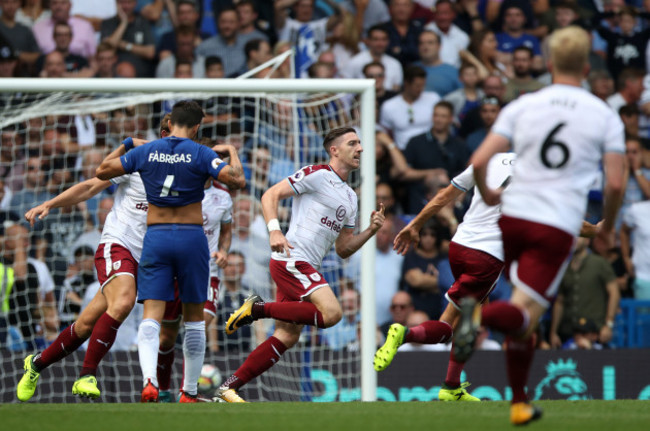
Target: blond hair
[[569, 49]]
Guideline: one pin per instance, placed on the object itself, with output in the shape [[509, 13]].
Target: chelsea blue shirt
[[173, 170]]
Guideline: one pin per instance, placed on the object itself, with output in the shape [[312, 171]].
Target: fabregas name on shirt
[[170, 158]]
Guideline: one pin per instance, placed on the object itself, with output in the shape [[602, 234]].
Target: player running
[[174, 171], [324, 211], [560, 134], [476, 259]]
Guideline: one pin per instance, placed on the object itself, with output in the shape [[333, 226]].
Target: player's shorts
[[295, 279], [476, 273], [112, 260], [174, 251], [174, 309], [536, 256]]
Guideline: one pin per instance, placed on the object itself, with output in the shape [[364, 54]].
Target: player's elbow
[[343, 252], [102, 172]]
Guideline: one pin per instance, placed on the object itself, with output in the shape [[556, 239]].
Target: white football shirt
[[559, 134], [324, 204], [217, 209], [480, 229], [126, 223]]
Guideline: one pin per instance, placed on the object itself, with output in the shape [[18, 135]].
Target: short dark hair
[[180, 63], [226, 9], [253, 45], [334, 134], [212, 60], [187, 113], [530, 52], [373, 64], [445, 104], [378, 27], [629, 74], [413, 72], [246, 3], [187, 2], [629, 110]]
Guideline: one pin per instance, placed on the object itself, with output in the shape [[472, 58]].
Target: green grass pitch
[[558, 415]]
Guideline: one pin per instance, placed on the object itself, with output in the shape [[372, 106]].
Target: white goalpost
[[315, 106]]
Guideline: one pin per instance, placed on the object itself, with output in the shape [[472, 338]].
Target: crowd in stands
[[443, 70]]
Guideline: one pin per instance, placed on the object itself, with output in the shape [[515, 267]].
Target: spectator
[[8, 61], [248, 29], [403, 32], [483, 54], [410, 112], [435, 149], [12, 158], [420, 272], [320, 70], [625, 48], [187, 17], [31, 12], [74, 286], [75, 65], [284, 69], [83, 41], [468, 18], [588, 292], [185, 52], [131, 35], [469, 96], [227, 45], [401, 306], [388, 264], [601, 84], [630, 89], [452, 39], [213, 67], [442, 78], [376, 71], [258, 52], [523, 81], [33, 191], [630, 114], [492, 87], [230, 299], [490, 108], [105, 61], [20, 38], [53, 65], [513, 36], [367, 14], [637, 188], [345, 334], [5, 195], [635, 247], [93, 11], [343, 43], [289, 29], [377, 43]]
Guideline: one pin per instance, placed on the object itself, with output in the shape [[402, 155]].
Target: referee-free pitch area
[[490, 415]]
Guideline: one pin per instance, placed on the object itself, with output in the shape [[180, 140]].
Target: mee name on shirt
[[560, 134], [324, 204]]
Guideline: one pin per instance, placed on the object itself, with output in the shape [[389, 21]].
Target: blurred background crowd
[[443, 70]]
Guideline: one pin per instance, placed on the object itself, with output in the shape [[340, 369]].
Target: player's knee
[[287, 338], [83, 327], [121, 307], [332, 316], [167, 339]]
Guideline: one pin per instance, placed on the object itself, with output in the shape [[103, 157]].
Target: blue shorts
[[174, 251]]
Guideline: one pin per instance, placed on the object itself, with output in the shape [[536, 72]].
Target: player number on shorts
[[549, 144], [166, 186]]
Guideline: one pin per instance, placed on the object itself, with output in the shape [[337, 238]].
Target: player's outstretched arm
[[348, 243], [233, 174], [492, 144], [270, 201], [80, 192], [411, 232]]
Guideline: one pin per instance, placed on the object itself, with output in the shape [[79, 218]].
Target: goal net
[[55, 134]]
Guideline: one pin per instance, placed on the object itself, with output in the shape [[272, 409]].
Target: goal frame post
[[364, 87]]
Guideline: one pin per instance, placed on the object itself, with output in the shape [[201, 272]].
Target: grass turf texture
[[558, 415]]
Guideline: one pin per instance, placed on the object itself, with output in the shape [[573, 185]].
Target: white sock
[[148, 345], [193, 353]]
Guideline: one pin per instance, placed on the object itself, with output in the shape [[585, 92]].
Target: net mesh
[[51, 141]]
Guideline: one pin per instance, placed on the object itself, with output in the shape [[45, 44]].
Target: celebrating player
[[476, 259], [560, 134], [323, 214], [174, 171]]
